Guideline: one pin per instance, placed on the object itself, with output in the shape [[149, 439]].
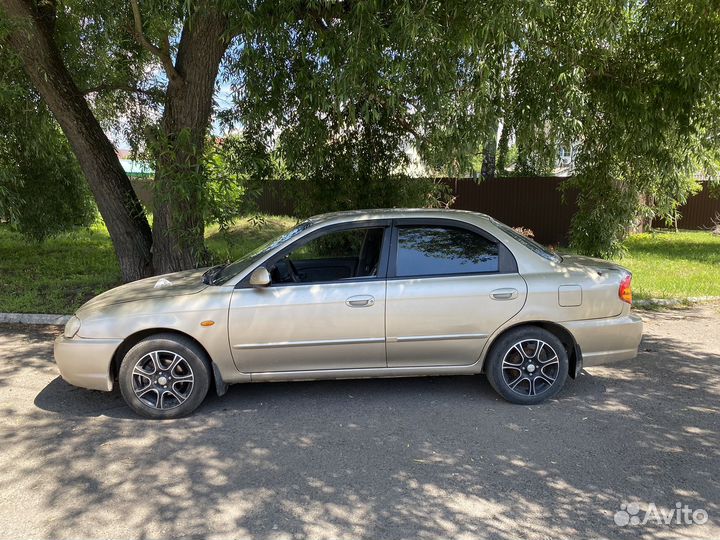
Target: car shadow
[[62, 398]]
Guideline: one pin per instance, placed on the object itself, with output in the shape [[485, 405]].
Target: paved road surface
[[414, 458]]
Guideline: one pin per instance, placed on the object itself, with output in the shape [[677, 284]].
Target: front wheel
[[527, 365], [164, 376]]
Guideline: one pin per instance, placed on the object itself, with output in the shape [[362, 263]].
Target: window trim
[[385, 224], [506, 260]]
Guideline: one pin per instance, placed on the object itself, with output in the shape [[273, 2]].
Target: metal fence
[[700, 210], [532, 202], [538, 204], [535, 203]]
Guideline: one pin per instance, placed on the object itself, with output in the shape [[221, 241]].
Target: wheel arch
[[559, 331], [133, 339]]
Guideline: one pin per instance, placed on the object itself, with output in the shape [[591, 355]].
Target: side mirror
[[260, 277]]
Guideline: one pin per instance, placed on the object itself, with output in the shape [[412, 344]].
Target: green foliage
[[358, 168], [637, 85], [236, 168], [429, 73], [333, 94], [42, 190]]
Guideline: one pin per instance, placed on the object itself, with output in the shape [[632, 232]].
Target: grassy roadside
[[59, 275], [677, 265]]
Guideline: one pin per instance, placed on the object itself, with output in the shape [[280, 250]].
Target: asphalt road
[[401, 458]]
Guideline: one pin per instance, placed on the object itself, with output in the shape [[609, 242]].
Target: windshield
[[529, 243], [234, 268]]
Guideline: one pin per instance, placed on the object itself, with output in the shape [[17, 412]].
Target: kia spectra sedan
[[380, 293]]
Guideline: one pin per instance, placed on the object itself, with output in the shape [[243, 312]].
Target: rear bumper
[[603, 341], [86, 362]]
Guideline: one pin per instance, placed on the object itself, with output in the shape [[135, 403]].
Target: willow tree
[[80, 57], [93, 63], [635, 83], [637, 86]]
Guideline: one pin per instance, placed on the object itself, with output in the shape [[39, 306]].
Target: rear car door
[[325, 306], [450, 286]]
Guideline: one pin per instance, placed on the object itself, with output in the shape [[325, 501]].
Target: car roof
[[396, 213]]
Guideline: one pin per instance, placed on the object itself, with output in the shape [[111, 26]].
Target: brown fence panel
[[699, 211], [272, 200], [532, 202]]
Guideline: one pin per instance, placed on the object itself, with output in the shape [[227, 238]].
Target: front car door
[[450, 286], [325, 307]]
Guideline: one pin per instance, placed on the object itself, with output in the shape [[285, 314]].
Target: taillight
[[625, 291]]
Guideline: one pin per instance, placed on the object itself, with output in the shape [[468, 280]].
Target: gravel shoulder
[[396, 458]]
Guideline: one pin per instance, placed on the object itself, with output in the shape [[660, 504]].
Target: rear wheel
[[164, 376], [527, 365]]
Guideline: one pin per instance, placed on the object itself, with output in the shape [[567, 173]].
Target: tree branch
[[401, 120], [47, 14], [125, 87], [163, 54]]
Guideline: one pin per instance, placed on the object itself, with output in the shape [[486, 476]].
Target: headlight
[[72, 327]]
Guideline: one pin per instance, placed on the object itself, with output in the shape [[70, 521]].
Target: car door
[[450, 286], [325, 306]]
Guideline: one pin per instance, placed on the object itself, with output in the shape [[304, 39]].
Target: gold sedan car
[[380, 293]]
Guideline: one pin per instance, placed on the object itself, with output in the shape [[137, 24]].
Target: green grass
[[669, 264], [244, 236], [55, 276], [59, 275]]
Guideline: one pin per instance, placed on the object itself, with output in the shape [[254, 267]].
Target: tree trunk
[[178, 227], [502, 151], [116, 200], [487, 171]]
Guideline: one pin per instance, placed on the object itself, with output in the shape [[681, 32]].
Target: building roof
[[137, 168]]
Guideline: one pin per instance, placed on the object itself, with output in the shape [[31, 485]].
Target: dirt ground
[[398, 458]]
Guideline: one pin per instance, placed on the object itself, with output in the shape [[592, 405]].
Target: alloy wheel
[[530, 367], [162, 380]]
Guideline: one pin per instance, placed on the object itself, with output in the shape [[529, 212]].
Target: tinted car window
[[529, 243], [232, 269], [338, 255], [333, 245], [426, 251]]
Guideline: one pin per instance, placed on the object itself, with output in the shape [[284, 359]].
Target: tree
[[42, 190], [637, 85], [42, 37], [188, 42], [351, 85], [30, 36]]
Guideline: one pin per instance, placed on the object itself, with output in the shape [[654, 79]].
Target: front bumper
[[603, 341], [86, 362]]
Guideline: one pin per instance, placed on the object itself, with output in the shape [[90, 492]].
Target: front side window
[[338, 255], [231, 270], [430, 250]]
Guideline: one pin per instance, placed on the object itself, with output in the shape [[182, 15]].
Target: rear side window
[[428, 251]]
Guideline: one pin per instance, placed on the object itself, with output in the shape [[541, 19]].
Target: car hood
[[175, 284]]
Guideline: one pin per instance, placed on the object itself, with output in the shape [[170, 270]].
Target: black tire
[[517, 373], [187, 383]]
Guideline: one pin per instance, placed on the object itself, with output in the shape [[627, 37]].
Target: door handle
[[360, 301], [504, 294]]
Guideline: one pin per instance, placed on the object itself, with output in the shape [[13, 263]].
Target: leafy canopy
[[339, 92]]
